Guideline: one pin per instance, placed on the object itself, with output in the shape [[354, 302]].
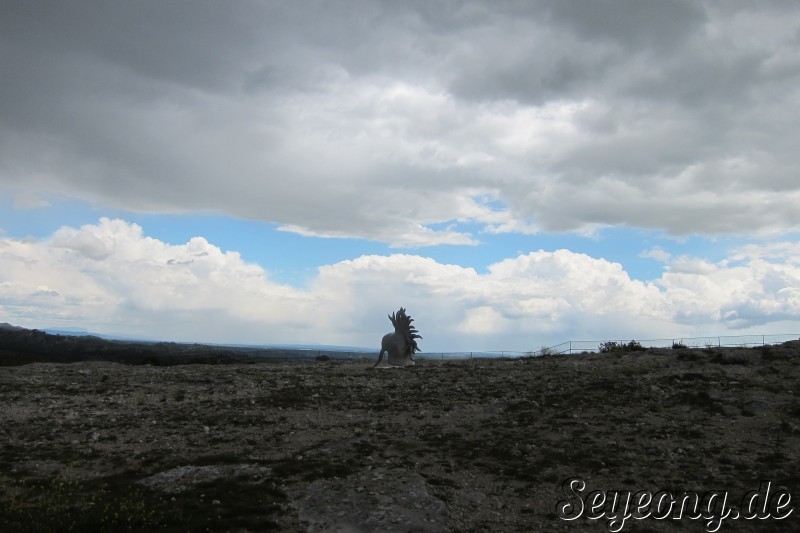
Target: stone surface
[[470, 445], [182, 478], [398, 500]]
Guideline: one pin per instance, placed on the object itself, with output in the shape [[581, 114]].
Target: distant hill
[[82, 332], [20, 346], [77, 332]]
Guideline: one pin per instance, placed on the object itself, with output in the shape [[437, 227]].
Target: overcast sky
[[515, 174]]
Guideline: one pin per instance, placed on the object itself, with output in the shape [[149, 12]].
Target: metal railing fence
[[719, 341], [567, 347]]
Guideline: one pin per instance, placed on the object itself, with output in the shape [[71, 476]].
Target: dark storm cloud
[[666, 114], [556, 49]]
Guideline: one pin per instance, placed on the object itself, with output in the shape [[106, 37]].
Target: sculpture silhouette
[[400, 345]]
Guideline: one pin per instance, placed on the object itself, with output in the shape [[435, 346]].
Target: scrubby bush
[[152, 360], [615, 347], [68, 505], [178, 394], [690, 355], [724, 358], [608, 347]]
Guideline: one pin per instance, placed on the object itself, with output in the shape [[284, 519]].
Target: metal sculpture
[[402, 343]]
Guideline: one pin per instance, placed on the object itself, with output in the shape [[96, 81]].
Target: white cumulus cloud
[[111, 277]]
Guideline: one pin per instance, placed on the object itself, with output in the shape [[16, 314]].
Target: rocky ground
[[470, 445]]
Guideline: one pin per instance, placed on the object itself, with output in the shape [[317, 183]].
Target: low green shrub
[[615, 347]]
